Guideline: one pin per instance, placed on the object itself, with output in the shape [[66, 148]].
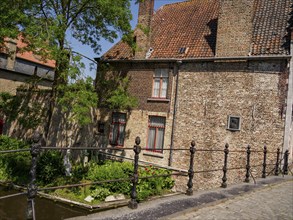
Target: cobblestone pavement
[[268, 199], [273, 202]]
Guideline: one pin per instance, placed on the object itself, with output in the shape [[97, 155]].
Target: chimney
[[234, 28], [142, 31], [11, 48]]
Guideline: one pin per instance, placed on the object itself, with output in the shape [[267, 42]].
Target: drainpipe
[[176, 73], [288, 121]]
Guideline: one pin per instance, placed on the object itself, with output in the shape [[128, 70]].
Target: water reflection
[[14, 208]]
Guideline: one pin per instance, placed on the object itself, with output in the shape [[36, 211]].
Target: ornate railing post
[[277, 163], [247, 165], [285, 166], [224, 179], [192, 150], [264, 165], [136, 148], [32, 187]]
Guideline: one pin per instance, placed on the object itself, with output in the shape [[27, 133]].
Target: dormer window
[[160, 83]]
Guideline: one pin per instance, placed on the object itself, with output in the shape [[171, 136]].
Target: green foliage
[[109, 171], [77, 99], [50, 166], [79, 172], [26, 107], [145, 188], [100, 193], [153, 186], [112, 88], [45, 25], [120, 99], [14, 166]]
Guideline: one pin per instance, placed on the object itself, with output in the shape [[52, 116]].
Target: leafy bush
[[50, 166], [153, 186], [109, 171], [145, 188], [79, 172], [14, 166], [100, 193]]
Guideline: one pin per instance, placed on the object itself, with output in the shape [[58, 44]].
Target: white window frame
[[154, 142], [160, 83]]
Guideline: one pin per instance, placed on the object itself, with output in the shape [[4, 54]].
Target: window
[[156, 133], [234, 123], [160, 83], [117, 130]]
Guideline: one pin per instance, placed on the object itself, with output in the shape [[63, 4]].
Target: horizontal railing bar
[[85, 184], [208, 171], [236, 168], [128, 148], [163, 175], [237, 151], [107, 181], [13, 195], [256, 151], [14, 151]]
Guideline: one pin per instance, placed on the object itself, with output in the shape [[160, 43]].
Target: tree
[[44, 26]]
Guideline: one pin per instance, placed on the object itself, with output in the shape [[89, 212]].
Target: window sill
[[153, 154], [158, 100]]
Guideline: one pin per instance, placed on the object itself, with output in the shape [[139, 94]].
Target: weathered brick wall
[[234, 28], [137, 125], [208, 93], [10, 81], [142, 31], [141, 85]]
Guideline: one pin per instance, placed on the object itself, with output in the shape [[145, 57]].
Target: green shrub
[[79, 172], [153, 186], [50, 167], [14, 166], [100, 193], [112, 170]]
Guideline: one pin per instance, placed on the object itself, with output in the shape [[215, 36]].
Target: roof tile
[[193, 25]]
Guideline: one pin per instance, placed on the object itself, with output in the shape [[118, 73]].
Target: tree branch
[[78, 12]]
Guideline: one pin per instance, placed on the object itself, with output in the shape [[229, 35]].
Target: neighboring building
[[18, 67], [213, 71]]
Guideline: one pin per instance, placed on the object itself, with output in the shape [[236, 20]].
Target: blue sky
[[87, 51]]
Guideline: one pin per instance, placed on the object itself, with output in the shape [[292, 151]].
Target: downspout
[[288, 121], [176, 73]]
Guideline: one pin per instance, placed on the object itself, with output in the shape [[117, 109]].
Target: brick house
[[18, 67], [213, 71]]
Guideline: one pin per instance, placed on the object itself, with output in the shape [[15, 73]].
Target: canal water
[[14, 208]]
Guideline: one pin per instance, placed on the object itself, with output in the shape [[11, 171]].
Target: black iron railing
[[36, 148]]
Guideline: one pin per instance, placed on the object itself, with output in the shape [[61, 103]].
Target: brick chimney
[[234, 28], [11, 48], [142, 31]]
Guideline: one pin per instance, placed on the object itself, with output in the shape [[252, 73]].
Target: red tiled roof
[[30, 56], [193, 25], [270, 22]]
